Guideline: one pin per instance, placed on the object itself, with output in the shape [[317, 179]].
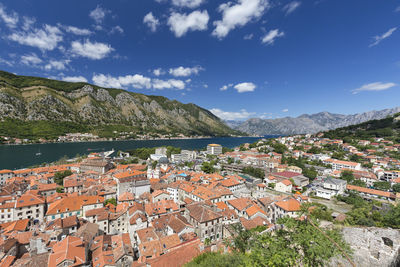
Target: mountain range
[[26, 99], [305, 123]]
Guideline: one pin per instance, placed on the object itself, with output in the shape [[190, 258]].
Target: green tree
[[279, 148], [298, 243], [396, 188], [154, 164], [382, 185], [256, 172], [226, 149], [359, 183], [392, 217], [173, 150], [207, 167], [59, 176], [347, 175], [189, 164], [60, 189], [217, 259], [110, 201]]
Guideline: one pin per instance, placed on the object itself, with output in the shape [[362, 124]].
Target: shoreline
[[126, 140]]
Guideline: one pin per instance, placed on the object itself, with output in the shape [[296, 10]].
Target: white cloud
[[9, 63], [377, 86], [116, 29], [226, 87], [266, 115], [379, 38], [285, 110], [57, 64], [228, 115], [30, 59], [10, 18], [98, 14], [77, 31], [44, 39], [245, 87], [180, 24], [184, 72], [74, 79], [168, 84], [90, 50], [158, 72], [187, 3], [397, 9], [239, 14], [151, 21], [248, 36], [270, 37], [28, 22], [136, 81], [292, 6]]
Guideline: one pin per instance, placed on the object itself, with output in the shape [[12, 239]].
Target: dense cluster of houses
[[375, 165], [110, 214]]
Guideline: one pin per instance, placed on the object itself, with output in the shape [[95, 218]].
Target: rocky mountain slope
[[309, 123], [28, 99]]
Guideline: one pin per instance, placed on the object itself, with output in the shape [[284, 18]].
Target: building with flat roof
[[214, 149]]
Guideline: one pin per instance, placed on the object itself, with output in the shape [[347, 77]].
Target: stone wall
[[371, 246]]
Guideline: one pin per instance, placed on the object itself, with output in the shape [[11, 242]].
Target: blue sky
[[238, 58]]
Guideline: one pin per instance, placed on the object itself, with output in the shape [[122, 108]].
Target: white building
[[134, 182], [341, 164], [214, 149], [331, 187], [5, 175], [284, 186], [71, 206], [29, 206]]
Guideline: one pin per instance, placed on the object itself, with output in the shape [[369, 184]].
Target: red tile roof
[[289, 205]]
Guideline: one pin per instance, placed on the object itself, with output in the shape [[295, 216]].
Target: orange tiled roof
[[71, 249], [286, 182], [28, 200], [289, 205], [370, 191], [72, 204]]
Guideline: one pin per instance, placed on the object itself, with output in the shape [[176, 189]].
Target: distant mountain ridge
[[306, 123], [84, 106]]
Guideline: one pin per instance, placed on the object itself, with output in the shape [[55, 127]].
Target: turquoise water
[[22, 156]]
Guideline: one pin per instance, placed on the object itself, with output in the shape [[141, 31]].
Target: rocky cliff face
[[371, 247], [309, 123], [33, 99]]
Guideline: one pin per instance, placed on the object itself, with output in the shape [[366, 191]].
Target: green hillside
[[389, 128], [33, 107]]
